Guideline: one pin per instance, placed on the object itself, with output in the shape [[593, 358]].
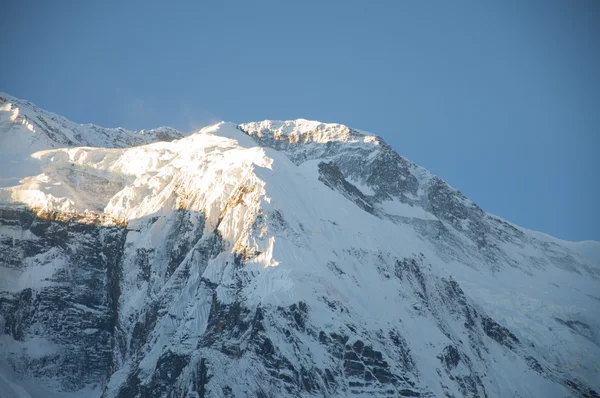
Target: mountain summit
[[272, 259]]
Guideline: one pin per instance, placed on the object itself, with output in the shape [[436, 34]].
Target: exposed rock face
[[65, 327], [276, 259]]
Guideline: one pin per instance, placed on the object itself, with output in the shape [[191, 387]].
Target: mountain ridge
[[270, 259]]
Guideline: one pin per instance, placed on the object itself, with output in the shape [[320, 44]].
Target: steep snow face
[[280, 259]]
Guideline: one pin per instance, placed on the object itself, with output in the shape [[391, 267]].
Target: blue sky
[[501, 99]]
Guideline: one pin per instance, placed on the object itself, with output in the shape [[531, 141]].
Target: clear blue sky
[[501, 99]]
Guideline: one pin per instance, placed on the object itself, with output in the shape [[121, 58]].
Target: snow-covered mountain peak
[[276, 258], [54, 131], [307, 131]]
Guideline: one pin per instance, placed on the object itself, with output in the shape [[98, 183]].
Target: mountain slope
[[27, 129], [276, 259]]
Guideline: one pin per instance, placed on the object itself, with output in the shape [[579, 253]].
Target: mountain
[[271, 259]]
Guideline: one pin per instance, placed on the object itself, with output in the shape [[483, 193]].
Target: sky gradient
[[501, 99]]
